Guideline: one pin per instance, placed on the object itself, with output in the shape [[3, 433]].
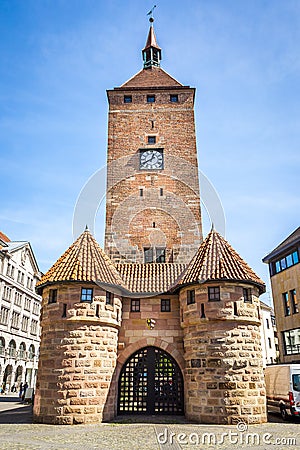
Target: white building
[[269, 340], [19, 314]]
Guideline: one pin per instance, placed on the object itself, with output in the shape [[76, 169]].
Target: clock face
[[151, 159]]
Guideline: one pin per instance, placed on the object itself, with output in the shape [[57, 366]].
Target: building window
[[52, 296], [27, 303], [15, 319], [25, 322], [152, 254], [135, 305], [22, 350], [12, 349], [267, 323], [160, 255], [2, 346], [294, 301], [148, 255], [286, 304], [291, 339], [284, 263], [4, 315], [247, 294], [31, 352], [86, 295], [214, 294], [174, 98], [109, 298], [270, 342], [150, 98], [18, 298], [151, 139], [33, 327], [165, 305], [7, 293], [127, 98], [190, 296]]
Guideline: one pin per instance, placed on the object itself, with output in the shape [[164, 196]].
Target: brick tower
[[153, 200]]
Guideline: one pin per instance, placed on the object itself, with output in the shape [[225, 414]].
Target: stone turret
[[219, 300], [80, 324]]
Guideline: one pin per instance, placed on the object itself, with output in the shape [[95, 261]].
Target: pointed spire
[[152, 52]]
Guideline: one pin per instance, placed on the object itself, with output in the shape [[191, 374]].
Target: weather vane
[[150, 13]]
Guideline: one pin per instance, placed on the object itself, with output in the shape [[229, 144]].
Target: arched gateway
[[150, 383]]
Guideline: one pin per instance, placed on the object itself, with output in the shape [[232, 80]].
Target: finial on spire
[[86, 228], [151, 52], [150, 13]]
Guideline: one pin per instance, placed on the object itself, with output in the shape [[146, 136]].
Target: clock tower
[[153, 199]]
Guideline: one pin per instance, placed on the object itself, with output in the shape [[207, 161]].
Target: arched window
[[12, 349], [2, 345], [31, 352], [22, 351]]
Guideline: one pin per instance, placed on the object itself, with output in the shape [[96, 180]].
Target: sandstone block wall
[[77, 358], [224, 381]]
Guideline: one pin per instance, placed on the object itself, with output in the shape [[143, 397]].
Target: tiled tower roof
[[151, 77], [216, 260], [83, 261], [150, 278]]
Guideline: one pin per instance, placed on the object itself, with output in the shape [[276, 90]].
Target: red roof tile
[[216, 260], [150, 278], [151, 77], [83, 261]]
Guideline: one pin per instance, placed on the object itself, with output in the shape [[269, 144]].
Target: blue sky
[[58, 57]]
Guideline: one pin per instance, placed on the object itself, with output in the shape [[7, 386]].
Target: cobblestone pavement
[[129, 434]]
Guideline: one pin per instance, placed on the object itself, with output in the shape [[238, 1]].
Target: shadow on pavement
[[17, 415], [13, 411]]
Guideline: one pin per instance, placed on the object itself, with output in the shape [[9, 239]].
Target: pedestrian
[[24, 390], [20, 390]]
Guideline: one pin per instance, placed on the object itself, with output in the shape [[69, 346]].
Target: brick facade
[[170, 194]]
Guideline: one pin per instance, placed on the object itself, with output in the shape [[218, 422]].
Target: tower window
[[174, 98], [52, 296], [160, 255], [161, 192], [127, 98], [214, 294], [150, 98], [202, 314], [151, 139], [190, 296], [148, 255], [152, 254], [165, 305], [86, 295], [109, 298], [247, 295], [141, 192], [135, 305]]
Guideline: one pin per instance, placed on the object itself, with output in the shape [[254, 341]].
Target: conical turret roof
[[216, 260], [83, 261], [151, 39]]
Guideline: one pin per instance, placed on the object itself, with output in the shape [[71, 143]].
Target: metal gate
[[150, 383]]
